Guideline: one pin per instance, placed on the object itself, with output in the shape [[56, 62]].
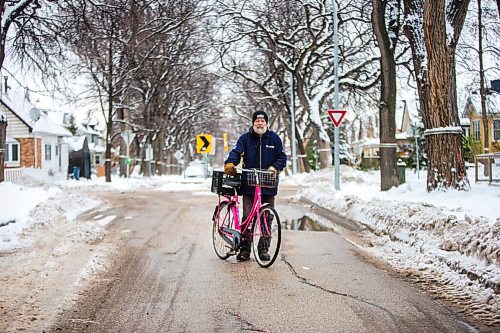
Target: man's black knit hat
[[261, 113]]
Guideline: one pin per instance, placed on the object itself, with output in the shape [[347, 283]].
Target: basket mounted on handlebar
[[224, 184], [262, 178]]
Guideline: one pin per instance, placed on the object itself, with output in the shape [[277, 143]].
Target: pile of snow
[[37, 199]]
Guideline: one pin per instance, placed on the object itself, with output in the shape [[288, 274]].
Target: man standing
[[261, 149]]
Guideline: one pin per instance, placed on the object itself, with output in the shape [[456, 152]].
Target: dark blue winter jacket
[[258, 153]]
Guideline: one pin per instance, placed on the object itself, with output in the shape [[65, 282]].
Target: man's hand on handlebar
[[229, 169], [272, 171]]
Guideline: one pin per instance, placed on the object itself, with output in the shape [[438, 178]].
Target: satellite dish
[[35, 114]]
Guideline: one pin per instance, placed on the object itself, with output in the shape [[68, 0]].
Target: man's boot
[[244, 255]]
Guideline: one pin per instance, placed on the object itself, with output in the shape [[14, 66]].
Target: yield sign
[[128, 136], [337, 116], [204, 143]]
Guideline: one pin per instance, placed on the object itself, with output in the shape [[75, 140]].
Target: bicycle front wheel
[[266, 237], [223, 218]]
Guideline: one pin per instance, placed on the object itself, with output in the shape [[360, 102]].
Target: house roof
[[473, 104], [17, 101], [87, 128], [47, 126], [75, 142], [414, 119]]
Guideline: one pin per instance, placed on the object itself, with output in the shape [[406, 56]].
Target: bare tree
[[295, 38], [24, 31], [387, 34], [111, 40], [481, 40], [173, 92]]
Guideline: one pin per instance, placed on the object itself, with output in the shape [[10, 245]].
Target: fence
[[12, 174], [491, 163]]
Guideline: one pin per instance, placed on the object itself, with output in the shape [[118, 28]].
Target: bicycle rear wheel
[[266, 236], [223, 218]]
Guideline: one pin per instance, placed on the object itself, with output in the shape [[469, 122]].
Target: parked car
[[197, 169]]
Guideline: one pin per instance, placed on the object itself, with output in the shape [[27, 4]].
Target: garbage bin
[[76, 172], [402, 172]]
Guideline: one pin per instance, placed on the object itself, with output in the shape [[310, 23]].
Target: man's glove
[[272, 171], [229, 169]]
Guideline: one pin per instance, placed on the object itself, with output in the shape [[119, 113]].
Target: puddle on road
[[305, 223]]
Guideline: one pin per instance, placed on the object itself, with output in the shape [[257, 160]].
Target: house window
[[48, 152], [496, 130], [57, 150], [476, 136], [11, 152], [97, 159]]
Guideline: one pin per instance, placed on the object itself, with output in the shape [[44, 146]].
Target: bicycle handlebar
[[253, 170]]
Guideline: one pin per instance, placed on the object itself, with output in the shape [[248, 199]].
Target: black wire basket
[[219, 178], [262, 178]]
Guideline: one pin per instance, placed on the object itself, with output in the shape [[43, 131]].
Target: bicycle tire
[[224, 218], [261, 238]]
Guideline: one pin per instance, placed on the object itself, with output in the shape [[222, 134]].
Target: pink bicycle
[[263, 221]]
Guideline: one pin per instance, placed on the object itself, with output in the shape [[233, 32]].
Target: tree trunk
[[158, 145], [446, 167], [414, 9], [387, 106], [3, 135]]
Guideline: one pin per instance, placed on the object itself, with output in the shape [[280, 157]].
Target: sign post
[[128, 136], [292, 139], [336, 88], [336, 116]]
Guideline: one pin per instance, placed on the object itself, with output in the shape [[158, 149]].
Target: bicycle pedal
[[231, 253]]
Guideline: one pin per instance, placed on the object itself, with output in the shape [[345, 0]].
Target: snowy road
[[164, 277]]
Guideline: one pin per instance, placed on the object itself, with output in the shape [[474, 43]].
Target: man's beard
[[259, 130]]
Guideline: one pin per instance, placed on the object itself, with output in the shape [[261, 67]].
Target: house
[[33, 139], [406, 116], [407, 123], [473, 112]]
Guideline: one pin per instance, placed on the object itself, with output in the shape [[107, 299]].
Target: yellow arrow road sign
[[203, 143]]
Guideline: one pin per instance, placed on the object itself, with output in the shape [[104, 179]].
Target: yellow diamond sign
[[203, 143]]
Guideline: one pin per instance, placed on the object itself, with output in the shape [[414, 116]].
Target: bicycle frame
[[233, 203]]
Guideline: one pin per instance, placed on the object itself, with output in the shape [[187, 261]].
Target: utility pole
[[292, 108], [336, 105]]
